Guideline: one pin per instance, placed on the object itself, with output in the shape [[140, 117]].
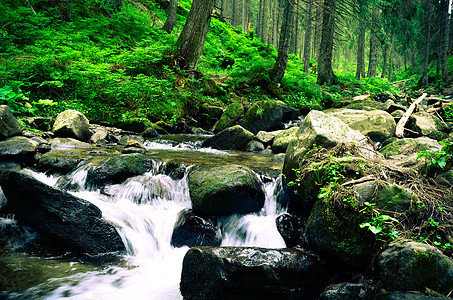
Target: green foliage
[[14, 98], [381, 225], [448, 111], [438, 160]]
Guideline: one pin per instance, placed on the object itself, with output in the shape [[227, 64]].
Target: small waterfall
[[144, 210]]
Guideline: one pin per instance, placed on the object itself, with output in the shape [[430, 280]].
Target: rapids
[[144, 210]]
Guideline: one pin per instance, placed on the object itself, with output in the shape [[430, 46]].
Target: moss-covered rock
[[73, 124], [232, 138], [225, 190], [267, 116], [281, 140], [232, 113], [409, 146], [376, 124], [411, 266], [9, 125], [426, 124], [336, 235], [370, 105]]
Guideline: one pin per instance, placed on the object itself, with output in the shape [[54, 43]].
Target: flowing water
[[144, 210]]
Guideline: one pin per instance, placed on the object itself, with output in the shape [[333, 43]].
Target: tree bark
[[427, 41], [295, 35], [227, 14], [237, 12], [171, 18], [384, 65], [279, 68], [264, 23], [258, 21], [307, 42], [391, 60], [444, 39], [318, 28], [361, 51], [372, 66], [191, 40], [325, 72], [275, 24]]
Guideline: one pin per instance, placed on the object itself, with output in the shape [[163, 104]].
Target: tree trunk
[[361, 51], [275, 24], [307, 41], [258, 21], [295, 34], [444, 38], [191, 40], [237, 12], [279, 68], [245, 20], [171, 18], [391, 60], [318, 28], [427, 41], [372, 66], [325, 72], [384, 65], [264, 22]]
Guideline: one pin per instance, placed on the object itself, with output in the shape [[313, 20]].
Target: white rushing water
[[144, 210]]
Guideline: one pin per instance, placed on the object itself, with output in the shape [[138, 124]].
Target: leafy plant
[[382, 226], [438, 159]]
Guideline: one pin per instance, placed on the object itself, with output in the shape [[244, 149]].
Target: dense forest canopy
[[119, 60]]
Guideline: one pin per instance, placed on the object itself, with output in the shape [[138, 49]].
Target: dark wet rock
[[17, 148], [232, 138], [58, 161], [267, 116], [175, 170], [403, 296], [9, 125], [232, 113], [225, 190], [281, 140], [150, 133], [411, 266], [345, 291], [43, 145], [72, 223], [193, 230], [339, 238], [254, 146], [9, 165], [118, 168], [292, 229], [251, 273], [445, 178], [72, 124]]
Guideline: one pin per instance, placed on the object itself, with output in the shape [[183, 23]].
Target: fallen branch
[[360, 180], [402, 122]]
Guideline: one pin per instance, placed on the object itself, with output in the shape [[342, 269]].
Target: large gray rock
[[411, 266], [320, 129], [251, 273], [73, 124], [73, 224], [225, 190], [376, 124], [267, 116], [68, 143], [426, 124], [281, 140], [17, 148], [9, 126], [60, 161], [345, 290], [232, 138], [409, 146]]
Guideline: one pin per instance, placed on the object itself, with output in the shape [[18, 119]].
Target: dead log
[[402, 122]]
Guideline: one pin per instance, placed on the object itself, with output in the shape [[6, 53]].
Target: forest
[[118, 60]]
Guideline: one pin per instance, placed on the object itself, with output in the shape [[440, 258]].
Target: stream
[[144, 217]]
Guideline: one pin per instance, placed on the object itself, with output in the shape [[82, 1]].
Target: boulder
[[99, 136], [376, 124], [426, 124], [411, 266], [387, 196], [292, 229], [344, 290], [233, 112], [281, 140], [409, 146], [73, 224], [59, 161], [9, 126], [254, 146], [267, 116], [17, 148], [251, 273], [232, 138], [320, 129], [445, 178], [370, 105], [72, 124], [195, 230], [336, 236], [403, 296], [68, 143], [267, 137], [225, 190], [117, 169]]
